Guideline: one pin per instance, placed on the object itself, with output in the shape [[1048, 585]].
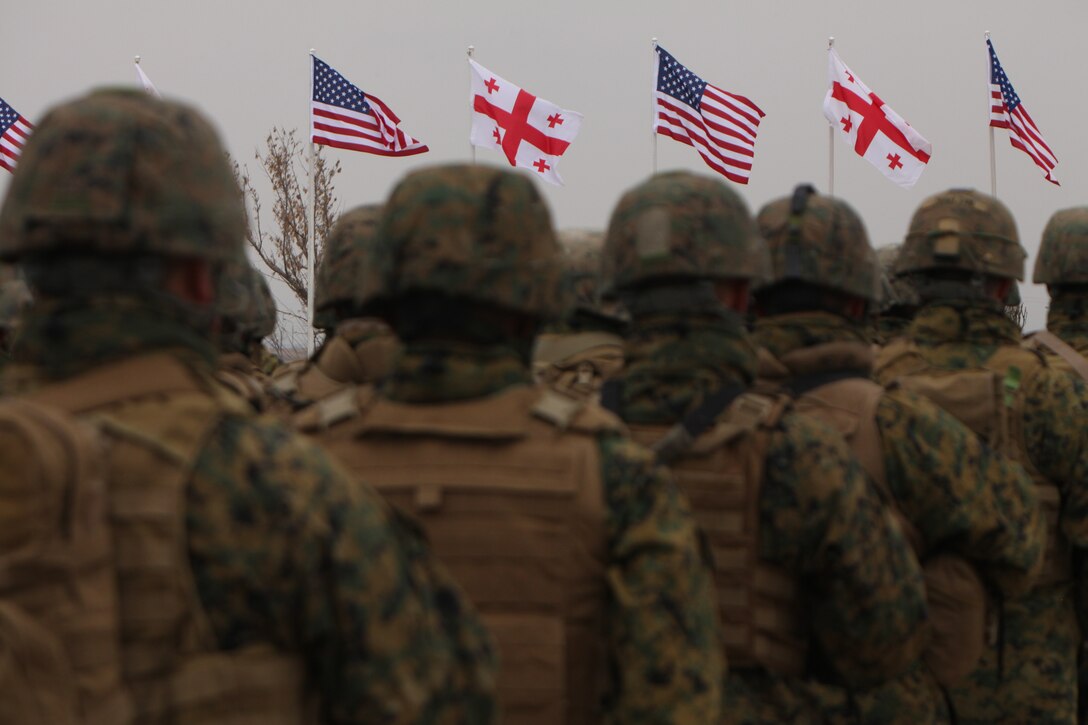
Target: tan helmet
[[1063, 252], [680, 225], [118, 171], [820, 240], [476, 233], [962, 229]]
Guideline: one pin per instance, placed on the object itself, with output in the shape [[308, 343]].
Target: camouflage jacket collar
[[60, 339], [1068, 319], [962, 322], [674, 363], [437, 372], [809, 343]]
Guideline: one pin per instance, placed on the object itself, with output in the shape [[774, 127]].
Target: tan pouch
[[957, 610]]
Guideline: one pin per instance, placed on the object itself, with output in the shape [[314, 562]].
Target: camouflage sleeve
[[661, 612], [960, 494], [820, 516], [1056, 435], [287, 549]]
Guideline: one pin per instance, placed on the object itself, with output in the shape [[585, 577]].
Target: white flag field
[[532, 133], [877, 133]]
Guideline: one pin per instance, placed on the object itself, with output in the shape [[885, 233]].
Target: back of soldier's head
[[586, 307], [462, 251], [957, 243], [673, 236], [1062, 262], [246, 307], [112, 186], [820, 255], [349, 256]]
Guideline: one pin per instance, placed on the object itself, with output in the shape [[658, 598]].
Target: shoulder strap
[[130, 378], [680, 437], [612, 395], [1063, 350], [802, 384]]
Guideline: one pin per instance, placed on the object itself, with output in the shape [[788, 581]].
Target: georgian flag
[[877, 133], [532, 133]]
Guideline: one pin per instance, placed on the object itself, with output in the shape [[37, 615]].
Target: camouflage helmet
[[582, 265], [245, 304], [679, 225], [349, 251], [894, 291], [962, 229], [473, 232], [118, 171], [1063, 253], [820, 240]]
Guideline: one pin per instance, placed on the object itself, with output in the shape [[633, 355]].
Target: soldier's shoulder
[[263, 460], [809, 457]]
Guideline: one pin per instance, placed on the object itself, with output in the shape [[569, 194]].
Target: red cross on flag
[[531, 132], [877, 133]]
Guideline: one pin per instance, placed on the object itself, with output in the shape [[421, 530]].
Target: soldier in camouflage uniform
[[820, 596], [966, 509], [14, 299], [358, 350], [963, 253], [1062, 265], [898, 300], [579, 551], [247, 314], [255, 577], [585, 347]]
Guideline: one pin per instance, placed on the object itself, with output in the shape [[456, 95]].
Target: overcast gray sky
[[246, 63]]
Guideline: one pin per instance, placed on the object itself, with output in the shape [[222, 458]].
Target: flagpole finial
[[470, 51], [830, 41], [987, 35], [313, 52], [137, 60], [653, 41]]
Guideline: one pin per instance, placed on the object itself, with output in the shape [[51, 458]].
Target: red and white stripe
[[723, 131], [1023, 133], [374, 132], [12, 141]]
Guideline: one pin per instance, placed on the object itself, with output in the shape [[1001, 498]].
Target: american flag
[[343, 116], [720, 125], [1006, 111], [14, 130]]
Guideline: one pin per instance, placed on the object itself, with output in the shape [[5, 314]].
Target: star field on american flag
[[1006, 111], [344, 117], [334, 89], [720, 125], [679, 82], [14, 131]]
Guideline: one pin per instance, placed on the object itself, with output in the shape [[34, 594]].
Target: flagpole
[[311, 244], [471, 118], [830, 141], [989, 103], [653, 104]]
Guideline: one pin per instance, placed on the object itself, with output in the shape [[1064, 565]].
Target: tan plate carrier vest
[[154, 416], [722, 473], [508, 489], [955, 592], [990, 401]]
